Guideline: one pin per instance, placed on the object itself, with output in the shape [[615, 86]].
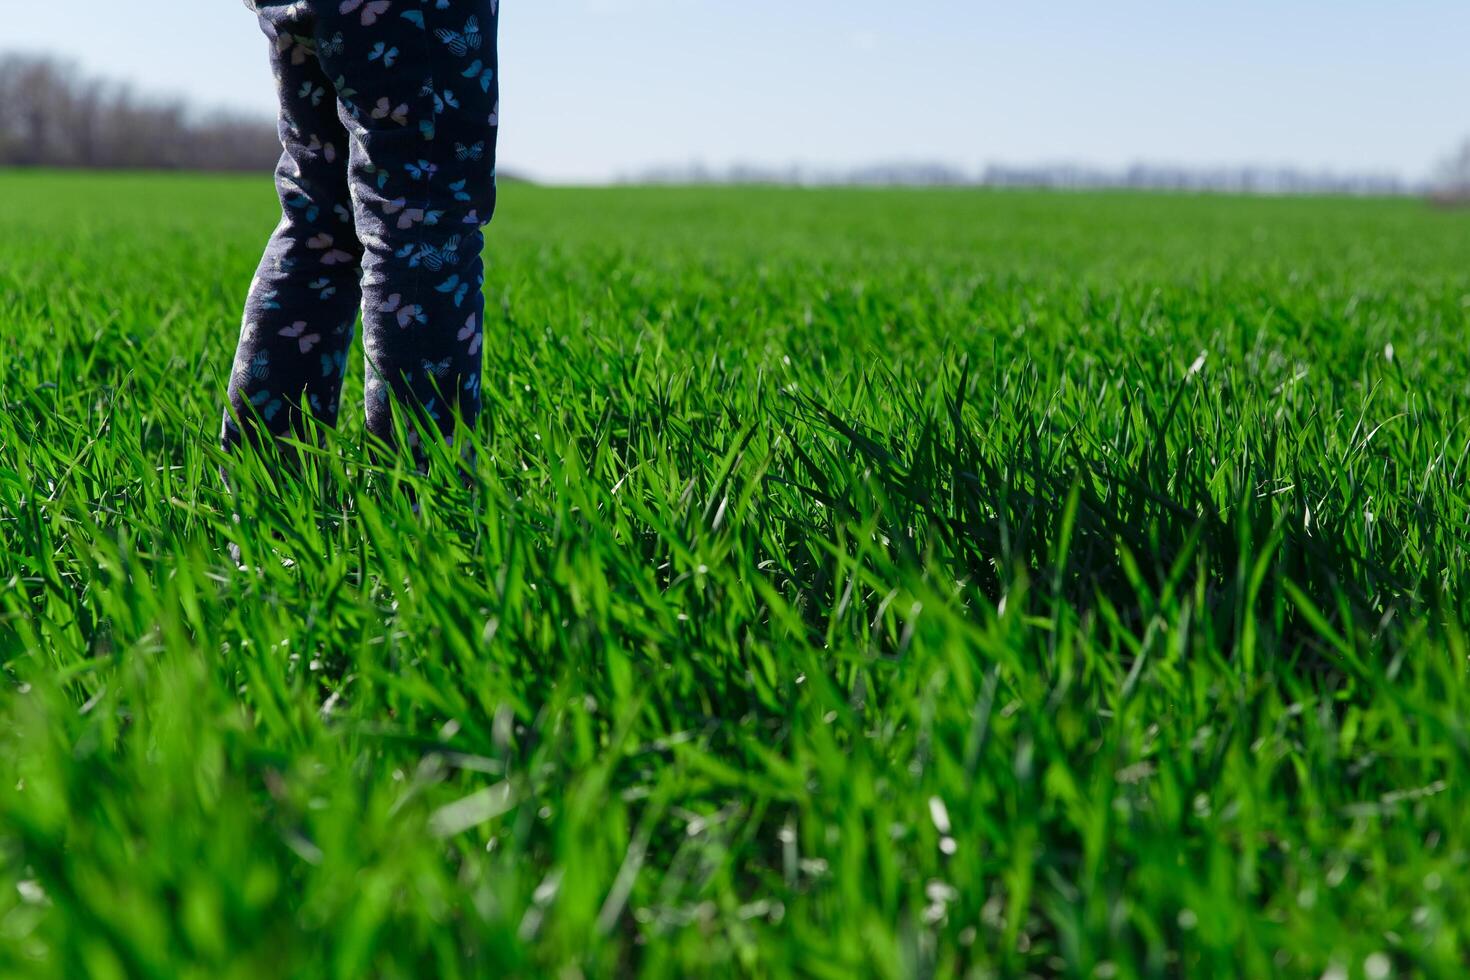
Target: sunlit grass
[[849, 582]]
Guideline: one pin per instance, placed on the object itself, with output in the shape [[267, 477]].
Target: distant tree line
[[1223, 179], [1242, 180], [53, 115]]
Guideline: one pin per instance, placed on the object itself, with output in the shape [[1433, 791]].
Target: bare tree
[[1451, 184], [53, 115]]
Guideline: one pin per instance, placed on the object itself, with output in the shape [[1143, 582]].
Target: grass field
[[852, 583]]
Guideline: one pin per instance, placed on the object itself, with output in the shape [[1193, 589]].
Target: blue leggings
[[389, 111]]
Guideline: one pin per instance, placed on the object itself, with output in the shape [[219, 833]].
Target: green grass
[[885, 583]]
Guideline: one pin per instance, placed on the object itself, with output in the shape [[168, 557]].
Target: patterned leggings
[[389, 111]]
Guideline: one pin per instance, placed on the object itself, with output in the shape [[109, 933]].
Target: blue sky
[[594, 88]]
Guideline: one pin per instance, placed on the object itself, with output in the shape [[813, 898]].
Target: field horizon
[[925, 582]]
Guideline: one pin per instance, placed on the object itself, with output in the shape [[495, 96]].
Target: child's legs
[[303, 301], [420, 99]]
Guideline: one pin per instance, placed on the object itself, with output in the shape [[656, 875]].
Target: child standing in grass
[[388, 118]]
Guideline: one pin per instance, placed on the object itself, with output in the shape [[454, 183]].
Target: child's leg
[[420, 98], [303, 302]]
